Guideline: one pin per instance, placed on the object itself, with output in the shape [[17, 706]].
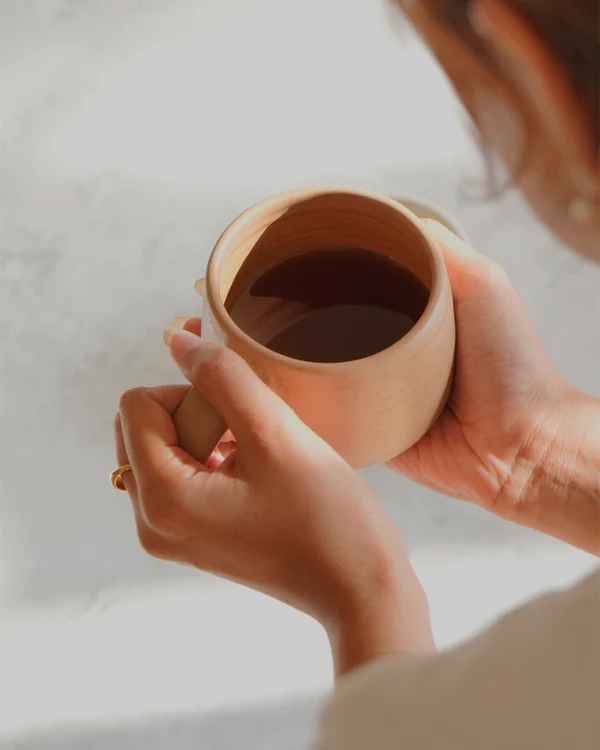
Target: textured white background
[[131, 132]]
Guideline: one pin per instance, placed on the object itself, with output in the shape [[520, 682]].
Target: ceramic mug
[[428, 210], [369, 409]]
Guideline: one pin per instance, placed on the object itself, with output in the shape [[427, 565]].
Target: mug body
[[372, 409]]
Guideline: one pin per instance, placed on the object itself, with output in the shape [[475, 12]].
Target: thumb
[[457, 248], [469, 270], [251, 410], [490, 315]]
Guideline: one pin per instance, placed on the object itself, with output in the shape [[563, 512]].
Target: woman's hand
[[279, 511], [515, 438]]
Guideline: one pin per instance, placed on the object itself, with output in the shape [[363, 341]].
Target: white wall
[[132, 132]]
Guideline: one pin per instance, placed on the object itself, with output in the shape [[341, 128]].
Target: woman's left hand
[[279, 510]]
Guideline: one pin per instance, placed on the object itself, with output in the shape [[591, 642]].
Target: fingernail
[[176, 326], [188, 349], [215, 459]]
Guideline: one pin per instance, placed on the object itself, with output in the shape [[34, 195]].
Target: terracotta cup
[[428, 210], [370, 409]]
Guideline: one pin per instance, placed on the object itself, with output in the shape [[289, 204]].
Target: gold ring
[[116, 477]]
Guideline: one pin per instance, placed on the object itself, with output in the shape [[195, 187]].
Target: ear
[[544, 84]]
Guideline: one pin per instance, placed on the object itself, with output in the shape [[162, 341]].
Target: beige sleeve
[[531, 681]]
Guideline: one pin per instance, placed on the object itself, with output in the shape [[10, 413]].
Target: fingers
[[493, 324], [227, 448], [145, 535], [254, 413], [183, 323], [193, 325], [154, 544], [168, 396], [172, 488], [128, 478], [150, 541], [148, 433], [457, 248], [174, 497], [469, 271]]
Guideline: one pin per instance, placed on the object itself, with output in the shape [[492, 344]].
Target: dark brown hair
[[570, 27]]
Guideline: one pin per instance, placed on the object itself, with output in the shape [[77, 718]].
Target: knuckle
[[130, 398], [160, 510], [152, 544], [215, 367], [264, 439], [270, 436]]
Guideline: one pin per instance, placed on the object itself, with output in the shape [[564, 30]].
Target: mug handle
[[199, 426]]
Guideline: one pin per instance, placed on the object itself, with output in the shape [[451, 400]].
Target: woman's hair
[[570, 27]]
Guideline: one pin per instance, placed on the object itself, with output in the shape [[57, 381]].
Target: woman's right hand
[[515, 438], [279, 510]]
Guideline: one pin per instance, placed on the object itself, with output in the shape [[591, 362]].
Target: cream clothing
[[530, 681]]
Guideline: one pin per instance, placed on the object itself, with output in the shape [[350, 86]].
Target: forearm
[[529, 680], [391, 618], [555, 484]]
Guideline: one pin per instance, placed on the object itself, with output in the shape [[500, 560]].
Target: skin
[[277, 509], [515, 438]]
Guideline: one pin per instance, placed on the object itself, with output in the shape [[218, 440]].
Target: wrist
[[390, 617], [555, 483]]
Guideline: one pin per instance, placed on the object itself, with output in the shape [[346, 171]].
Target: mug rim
[[439, 214], [230, 327]]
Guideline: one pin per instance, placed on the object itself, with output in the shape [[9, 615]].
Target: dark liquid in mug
[[330, 305]]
